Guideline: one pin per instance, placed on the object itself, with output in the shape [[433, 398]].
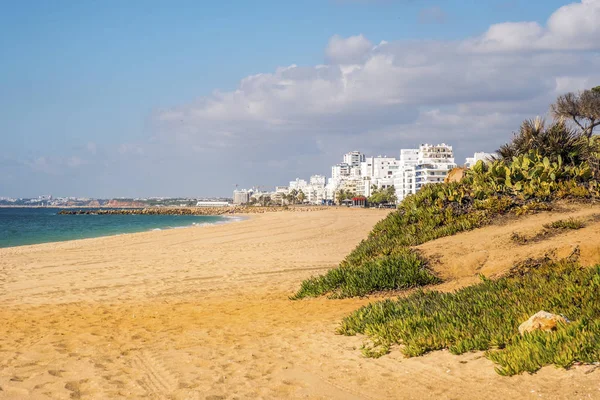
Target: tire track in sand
[[155, 379]]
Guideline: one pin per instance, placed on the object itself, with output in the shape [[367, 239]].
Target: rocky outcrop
[[455, 175], [124, 203], [543, 321]]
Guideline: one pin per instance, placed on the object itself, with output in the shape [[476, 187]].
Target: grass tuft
[[401, 271], [564, 224], [486, 316]]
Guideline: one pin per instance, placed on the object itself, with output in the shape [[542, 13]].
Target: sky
[[146, 98]]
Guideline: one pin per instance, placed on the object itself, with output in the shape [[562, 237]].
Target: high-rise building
[[354, 158], [433, 164], [340, 170], [241, 196]]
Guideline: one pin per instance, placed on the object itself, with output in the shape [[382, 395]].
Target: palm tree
[[552, 141], [292, 196], [301, 196]]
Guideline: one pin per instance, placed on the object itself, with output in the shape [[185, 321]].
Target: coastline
[[113, 228], [204, 313], [26, 234]]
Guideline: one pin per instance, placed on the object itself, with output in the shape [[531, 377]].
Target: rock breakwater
[[190, 210]]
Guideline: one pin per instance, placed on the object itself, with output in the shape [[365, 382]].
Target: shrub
[[400, 271], [486, 316], [570, 223]]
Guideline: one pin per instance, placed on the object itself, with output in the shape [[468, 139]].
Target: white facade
[[479, 156], [315, 191], [317, 180], [434, 163], [354, 158], [212, 204], [241, 196], [340, 170], [404, 180], [359, 174], [298, 184], [379, 167]]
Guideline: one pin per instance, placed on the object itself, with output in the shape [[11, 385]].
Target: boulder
[[455, 175], [543, 321]]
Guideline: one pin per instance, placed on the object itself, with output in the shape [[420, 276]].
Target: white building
[[414, 169], [479, 156], [404, 180], [340, 170], [433, 164], [318, 180], [298, 184], [315, 190], [241, 196], [354, 158], [379, 167], [212, 204]]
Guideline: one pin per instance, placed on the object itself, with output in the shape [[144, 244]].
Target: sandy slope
[[202, 313], [491, 251]]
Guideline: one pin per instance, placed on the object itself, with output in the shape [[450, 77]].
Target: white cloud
[[572, 27], [347, 50], [471, 93], [298, 120]]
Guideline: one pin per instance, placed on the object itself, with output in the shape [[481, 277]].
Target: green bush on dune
[[530, 182], [399, 271], [542, 164], [486, 317]]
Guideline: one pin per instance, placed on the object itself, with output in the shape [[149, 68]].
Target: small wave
[[224, 220]]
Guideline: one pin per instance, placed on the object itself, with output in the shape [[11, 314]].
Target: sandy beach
[[203, 313]]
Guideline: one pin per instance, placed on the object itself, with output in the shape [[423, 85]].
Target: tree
[[292, 196], [383, 195], [301, 196], [582, 108], [344, 195], [550, 141]]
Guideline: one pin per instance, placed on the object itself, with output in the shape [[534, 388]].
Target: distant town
[[50, 201], [358, 178], [353, 181]]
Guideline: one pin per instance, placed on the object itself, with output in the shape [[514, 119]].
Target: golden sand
[[203, 313]]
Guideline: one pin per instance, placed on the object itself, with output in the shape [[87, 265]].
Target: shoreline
[[229, 215], [227, 219]]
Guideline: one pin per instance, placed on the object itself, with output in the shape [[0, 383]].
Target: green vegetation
[[539, 166], [401, 271], [542, 164], [383, 195], [529, 183], [582, 109], [342, 195], [549, 230], [562, 224], [486, 317]]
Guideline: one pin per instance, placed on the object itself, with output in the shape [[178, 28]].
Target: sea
[[23, 226]]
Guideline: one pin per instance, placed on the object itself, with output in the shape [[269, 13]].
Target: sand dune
[[491, 251], [202, 313]]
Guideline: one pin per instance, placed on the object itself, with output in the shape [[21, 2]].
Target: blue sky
[[85, 87]]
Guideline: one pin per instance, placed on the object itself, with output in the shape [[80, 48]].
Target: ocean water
[[21, 226]]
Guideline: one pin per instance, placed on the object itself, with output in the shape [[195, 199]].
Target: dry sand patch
[[203, 314]]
